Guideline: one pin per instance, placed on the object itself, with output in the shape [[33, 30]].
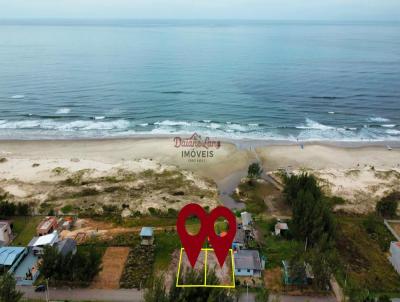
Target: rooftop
[[48, 239], [47, 223], [146, 232], [247, 259], [9, 254], [66, 246]]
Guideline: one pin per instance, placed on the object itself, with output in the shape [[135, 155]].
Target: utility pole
[[47, 290]]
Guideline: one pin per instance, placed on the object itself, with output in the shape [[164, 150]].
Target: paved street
[[120, 295]]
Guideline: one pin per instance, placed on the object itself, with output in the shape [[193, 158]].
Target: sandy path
[[113, 264]]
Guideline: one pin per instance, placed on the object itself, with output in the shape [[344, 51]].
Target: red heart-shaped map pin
[[192, 243], [221, 245]]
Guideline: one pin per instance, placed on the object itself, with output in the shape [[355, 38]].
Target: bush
[[387, 206], [254, 170], [377, 231]]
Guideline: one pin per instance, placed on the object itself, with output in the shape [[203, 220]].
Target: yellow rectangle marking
[[205, 271]]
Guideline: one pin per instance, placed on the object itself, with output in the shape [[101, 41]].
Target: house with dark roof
[[66, 246], [248, 263]]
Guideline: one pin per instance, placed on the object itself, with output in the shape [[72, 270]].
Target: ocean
[[230, 79]]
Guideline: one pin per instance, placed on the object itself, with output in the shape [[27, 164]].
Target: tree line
[[80, 267]]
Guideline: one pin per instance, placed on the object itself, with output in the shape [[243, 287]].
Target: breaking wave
[[103, 127]]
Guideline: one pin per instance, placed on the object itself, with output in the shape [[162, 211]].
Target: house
[[10, 257], [247, 221], [66, 246], [239, 240], [248, 263], [38, 243], [47, 226], [280, 227], [21, 263], [147, 236], [304, 276], [6, 235], [394, 257]]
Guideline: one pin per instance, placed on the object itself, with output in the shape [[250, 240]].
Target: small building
[[394, 257], [47, 226], [38, 243], [147, 236], [280, 227], [239, 240], [66, 246], [247, 221], [248, 263], [6, 234]]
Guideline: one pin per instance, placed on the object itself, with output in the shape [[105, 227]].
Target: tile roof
[[247, 259]]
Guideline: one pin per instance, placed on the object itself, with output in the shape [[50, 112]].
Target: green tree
[[22, 209], [384, 298], [322, 260], [312, 218], [8, 292], [262, 295], [50, 262], [254, 171], [7, 208], [387, 206]]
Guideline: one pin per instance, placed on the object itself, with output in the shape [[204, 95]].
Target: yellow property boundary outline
[[205, 272]]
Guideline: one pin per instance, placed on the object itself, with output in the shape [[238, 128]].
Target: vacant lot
[[113, 264], [25, 229], [362, 260]]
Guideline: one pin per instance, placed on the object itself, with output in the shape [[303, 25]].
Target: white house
[[246, 220], [38, 243], [5, 233], [248, 263], [395, 255], [279, 227]]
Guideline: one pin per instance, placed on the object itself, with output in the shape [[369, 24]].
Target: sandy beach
[[360, 174]]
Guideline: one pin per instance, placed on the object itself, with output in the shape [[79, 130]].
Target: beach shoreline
[[361, 174]]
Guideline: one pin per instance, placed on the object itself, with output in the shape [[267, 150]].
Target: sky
[[349, 10]]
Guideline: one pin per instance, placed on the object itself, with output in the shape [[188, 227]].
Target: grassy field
[[275, 248], [253, 196], [165, 244], [361, 259], [25, 229]]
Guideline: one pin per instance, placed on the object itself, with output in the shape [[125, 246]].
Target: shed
[[147, 236], [279, 227], [66, 246]]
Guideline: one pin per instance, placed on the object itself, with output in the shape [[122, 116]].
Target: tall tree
[[8, 292]]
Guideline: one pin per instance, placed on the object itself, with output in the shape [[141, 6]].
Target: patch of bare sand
[[113, 263]]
